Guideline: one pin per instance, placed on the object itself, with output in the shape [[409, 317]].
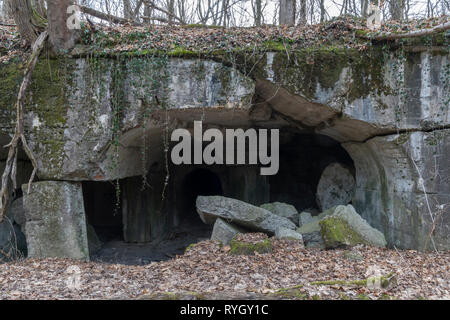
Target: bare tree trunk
[[127, 11], [287, 12], [257, 12], [6, 9], [322, 11], [302, 21], [28, 21], [171, 11], [364, 8], [396, 8], [61, 38]]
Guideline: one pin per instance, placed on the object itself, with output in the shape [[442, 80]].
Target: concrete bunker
[[158, 210]]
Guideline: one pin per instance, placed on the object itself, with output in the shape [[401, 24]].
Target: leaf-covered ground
[[191, 39], [209, 270]]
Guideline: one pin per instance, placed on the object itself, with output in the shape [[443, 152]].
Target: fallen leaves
[[207, 267]]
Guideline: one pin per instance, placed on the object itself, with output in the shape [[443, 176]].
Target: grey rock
[[311, 229], [224, 231], [56, 225], [243, 214], [346, 227], [284, 233], [336, 186], [304, 218], [283, 210]]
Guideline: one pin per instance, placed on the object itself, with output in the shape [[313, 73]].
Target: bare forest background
[[242, 13]]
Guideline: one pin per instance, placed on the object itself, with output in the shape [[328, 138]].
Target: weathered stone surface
[[345, 227], [56, 225], [304, 218], [389, 192], [336, 186], [348, 95], [224, 232], [310, 230], [283, 210], [283, 233], [246, 215]]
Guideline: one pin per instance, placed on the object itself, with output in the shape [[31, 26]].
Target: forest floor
[[209, 271]]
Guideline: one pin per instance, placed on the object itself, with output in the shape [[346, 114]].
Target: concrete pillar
[[55, 220]]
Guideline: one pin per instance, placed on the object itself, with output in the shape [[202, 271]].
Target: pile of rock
[[336, 227]]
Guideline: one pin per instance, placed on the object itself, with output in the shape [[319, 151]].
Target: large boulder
[[304, 218], [288, 234], [56, 225], [310, 229], [336, 186], [241, 213], [224, 231], [283, 210], [345, 227]]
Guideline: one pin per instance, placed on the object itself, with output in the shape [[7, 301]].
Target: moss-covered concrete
[[245, 248]]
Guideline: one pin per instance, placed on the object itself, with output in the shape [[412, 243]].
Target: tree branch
[[416, 33], [106, 16]]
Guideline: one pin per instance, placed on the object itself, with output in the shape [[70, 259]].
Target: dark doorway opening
[[200, 182], [103, 211], [303, 158]]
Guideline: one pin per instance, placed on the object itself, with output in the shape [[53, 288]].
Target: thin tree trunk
[[171, 11], [322, 11], [258, 12], [127, 11], [302, 20]]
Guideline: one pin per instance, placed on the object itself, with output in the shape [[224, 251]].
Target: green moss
[[181, 52], [189, 247], [239, 247], [272, 45], [340, 282], [336, 232], [295, 292]]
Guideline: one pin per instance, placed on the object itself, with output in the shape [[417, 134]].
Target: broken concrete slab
[[241, 213], [283, 210], [224, 231], [288, 234]]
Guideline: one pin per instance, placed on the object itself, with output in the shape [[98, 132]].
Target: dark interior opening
[[103, 210], [200, 182], [303, 157]]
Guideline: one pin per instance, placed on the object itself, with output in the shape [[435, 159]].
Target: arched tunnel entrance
[[159, 221]]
